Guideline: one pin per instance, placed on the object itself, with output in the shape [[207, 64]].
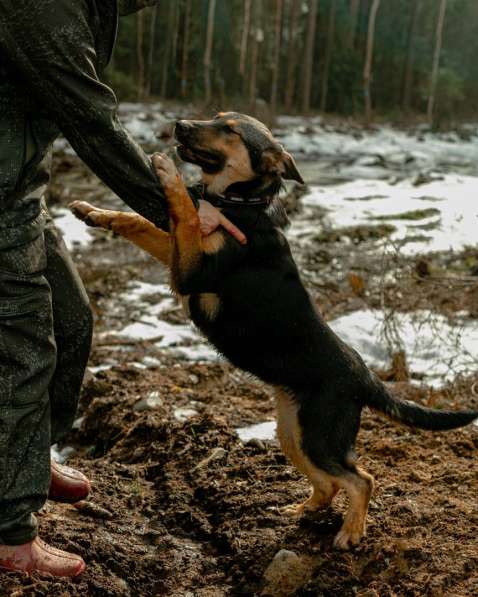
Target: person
[[51, 52]]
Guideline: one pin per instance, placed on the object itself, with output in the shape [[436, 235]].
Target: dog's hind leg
[[359, 487], [131, 226], [324, 486], [329, 428]]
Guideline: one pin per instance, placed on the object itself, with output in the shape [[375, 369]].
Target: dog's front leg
[[187, 240], [131, 226]]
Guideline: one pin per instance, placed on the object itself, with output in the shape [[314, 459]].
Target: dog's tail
[[415, 415]]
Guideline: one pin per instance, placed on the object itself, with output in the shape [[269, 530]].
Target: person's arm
[[52, 49], [51, 46]]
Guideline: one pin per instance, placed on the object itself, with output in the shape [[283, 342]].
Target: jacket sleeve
[[51, 46]]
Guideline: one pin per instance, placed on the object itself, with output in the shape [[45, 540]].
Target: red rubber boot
[[37, 556], [67, 485]]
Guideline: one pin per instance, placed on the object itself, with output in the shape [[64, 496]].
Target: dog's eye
[[228, 129]]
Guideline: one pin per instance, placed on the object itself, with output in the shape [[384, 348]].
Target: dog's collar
[[228, 198]]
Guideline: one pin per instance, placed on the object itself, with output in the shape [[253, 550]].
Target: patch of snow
[[199, 353], [449, 220], [99, 368], [183, 338], [262, 431], [384, 146], [77, 423], [436, 350], [183, 414], [61, 456], [75, 233], [151, 362]]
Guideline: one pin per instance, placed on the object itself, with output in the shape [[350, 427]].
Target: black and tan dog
[[250, 303]]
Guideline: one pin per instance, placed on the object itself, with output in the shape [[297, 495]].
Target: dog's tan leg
[[188, 249], [131, 226], [359, 487], [324, 486]]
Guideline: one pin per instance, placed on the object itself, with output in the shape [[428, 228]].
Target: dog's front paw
[[85, 212], [166, 171]]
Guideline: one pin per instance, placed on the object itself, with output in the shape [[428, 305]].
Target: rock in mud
[[216, 454], [93, 510], [152, 401], [286, 574]]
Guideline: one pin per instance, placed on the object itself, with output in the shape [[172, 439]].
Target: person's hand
[[211, 218]]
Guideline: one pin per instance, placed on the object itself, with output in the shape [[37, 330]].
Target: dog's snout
[[182, 127]]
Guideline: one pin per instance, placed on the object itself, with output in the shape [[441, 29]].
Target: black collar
[[239, 194]]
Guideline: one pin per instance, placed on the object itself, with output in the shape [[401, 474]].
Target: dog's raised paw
[[81, 209], [165, 169], [89, 214]]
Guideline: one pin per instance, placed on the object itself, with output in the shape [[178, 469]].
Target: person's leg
[[27, 364], [73, 327]]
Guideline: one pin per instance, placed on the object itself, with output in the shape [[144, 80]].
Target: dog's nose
[[182, 127]]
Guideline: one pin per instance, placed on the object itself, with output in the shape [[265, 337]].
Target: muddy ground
[[181, 507]]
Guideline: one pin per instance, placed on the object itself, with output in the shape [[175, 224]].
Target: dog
[[250, 302]]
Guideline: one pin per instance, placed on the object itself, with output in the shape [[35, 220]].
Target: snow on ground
[[261, 431], [381, 147], [436, 350], [439, 216], [377, 171], [184, 339]]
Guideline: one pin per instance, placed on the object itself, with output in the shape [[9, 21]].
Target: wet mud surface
[[182, 507]]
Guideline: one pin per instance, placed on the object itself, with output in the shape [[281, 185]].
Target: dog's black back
[[268, 325]]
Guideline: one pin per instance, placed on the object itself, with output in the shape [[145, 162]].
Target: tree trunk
[[152, 36], [276, 60], [354, 10], [246, 28], [174, 43], [408, 74], [185, 57], [167, 51], [208, 51], [309, 56], [139, 53], [436, 60], [292, 54], [328, 56], [256, 40], [367, 72]]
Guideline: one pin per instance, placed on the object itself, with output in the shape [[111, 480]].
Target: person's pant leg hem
[[21, 534]]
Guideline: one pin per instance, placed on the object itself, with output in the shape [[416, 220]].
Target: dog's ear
[[290, 169], [279, 161]]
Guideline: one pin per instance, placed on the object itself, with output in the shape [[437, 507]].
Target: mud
[[169, 519]]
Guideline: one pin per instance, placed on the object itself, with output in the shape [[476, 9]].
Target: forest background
[[397, 59]]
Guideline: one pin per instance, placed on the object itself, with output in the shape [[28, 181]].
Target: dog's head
[[232, 149]]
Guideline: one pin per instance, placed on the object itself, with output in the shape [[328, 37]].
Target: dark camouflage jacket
[[51, 52]]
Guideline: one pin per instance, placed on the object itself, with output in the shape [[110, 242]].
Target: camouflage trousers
[[45, 340]]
